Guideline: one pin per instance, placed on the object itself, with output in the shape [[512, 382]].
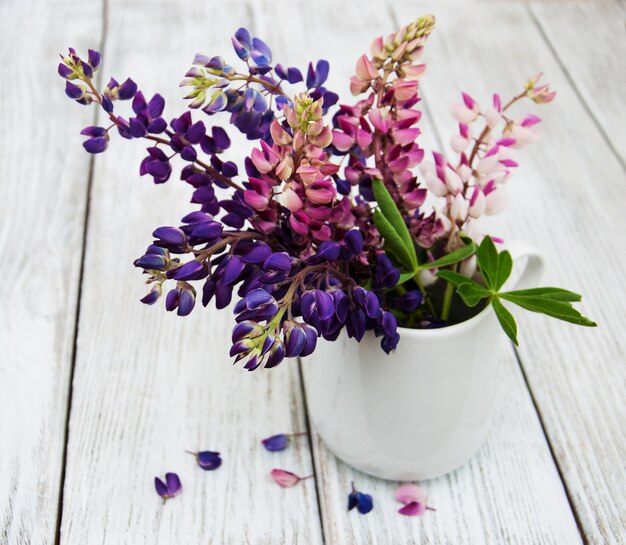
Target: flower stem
[[447, 302]]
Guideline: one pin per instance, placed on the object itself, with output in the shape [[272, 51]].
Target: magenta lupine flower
[[170, 488]]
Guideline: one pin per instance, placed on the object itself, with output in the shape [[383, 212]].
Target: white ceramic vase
[[421, 411]]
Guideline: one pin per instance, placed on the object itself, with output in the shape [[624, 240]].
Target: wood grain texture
[[43, 191], [567, 198], [149, 385], [589, 39], [510, 492]]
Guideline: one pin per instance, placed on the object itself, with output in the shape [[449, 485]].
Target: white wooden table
[[98, 393]]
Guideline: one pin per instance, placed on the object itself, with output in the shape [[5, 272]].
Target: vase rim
[[461, 327]]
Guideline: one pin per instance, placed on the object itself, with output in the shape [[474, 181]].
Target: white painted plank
[[43, 191], [589, 39], [149, 385], [567, 198], [511, 491]]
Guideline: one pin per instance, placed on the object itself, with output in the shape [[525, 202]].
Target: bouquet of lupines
[[325, 228]]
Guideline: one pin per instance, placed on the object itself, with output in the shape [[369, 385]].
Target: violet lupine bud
[[276, 354], [233, 269], [187, 134], [182, 297], [300, 339], [152, 296], [172, 238], [317, 76], [327, 251], [317, 307], [242, 43], [354, 241], [97, 141], [363, 502], [258, 304], [192, 270]]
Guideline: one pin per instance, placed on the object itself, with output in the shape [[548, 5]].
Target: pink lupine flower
[[264, 160], [458, 208], [358, 86], [287, 479], [321, 192], [523, 136], [404, 89], [414, 500], [365, 70], [478, 203], [381, 119], [495, 201], [530, 120], [290, 200], [466, 112], [342, 141], [459, 142]]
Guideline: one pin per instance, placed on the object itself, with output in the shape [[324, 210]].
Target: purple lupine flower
[[187, 135], [152, 296], [207, 459], [156, 165], [97, 140], [170, 488], [363, 502], [385, 274], [148, 118], [116, 91], [409, 301], [181, 298], [291, 74]]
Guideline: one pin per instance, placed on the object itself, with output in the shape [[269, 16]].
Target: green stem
[[447, 302], [429, 303]]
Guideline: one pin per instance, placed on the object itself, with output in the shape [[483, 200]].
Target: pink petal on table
[[413, 509], [408, 493], [284, 478]]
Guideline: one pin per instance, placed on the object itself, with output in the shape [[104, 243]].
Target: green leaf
[[472, 293], [506, 319], [455, 278], [390, 211], [555, 308], [487, 257], [453, 257], [505, 266], [393, 240], [556, 294], [405, 277]]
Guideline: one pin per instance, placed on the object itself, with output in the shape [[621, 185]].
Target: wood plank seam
[[555, 459], [83, 252], [309, 432], [572, 82]]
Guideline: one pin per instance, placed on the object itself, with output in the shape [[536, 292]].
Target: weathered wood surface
[[43, 190], [568, 199], [148, 385], [589, 40]]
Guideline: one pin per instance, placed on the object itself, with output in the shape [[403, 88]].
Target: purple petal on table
[[174, 485], [276, 443], [209, 460], [160, 487]]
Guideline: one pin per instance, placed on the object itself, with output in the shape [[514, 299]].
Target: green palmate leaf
[[453, 257], [487, 257], [455, 278], [506, 319], [556, 294], [391, 213], [556, 308], [472, 293], [393, 241], [505, 266]]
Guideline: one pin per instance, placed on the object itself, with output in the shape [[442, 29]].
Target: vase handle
[[532, 273]]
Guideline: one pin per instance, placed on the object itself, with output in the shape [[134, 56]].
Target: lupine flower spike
[[287, 479], [363, 502], [414, 500], [207, 459], [280, 441], [170, 488], [326, 228]]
